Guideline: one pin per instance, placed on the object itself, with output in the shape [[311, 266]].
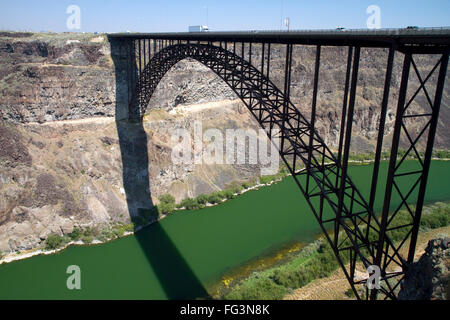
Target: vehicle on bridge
[[198, 28]]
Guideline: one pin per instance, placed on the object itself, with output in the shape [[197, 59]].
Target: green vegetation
[[441, 154], [87, 235], [1, 254], [76, 234], [166, 204], [349, 293], [53, 241], [190, 204], [369, 156], [216, 197], [87, 239], [202, 199], [317, 260]]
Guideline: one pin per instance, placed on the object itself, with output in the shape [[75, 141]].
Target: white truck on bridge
[[198, 28]]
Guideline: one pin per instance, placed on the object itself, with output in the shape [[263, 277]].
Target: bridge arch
[[267, 103], [323, 181]]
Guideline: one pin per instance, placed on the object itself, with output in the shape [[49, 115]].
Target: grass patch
[[317, 260]]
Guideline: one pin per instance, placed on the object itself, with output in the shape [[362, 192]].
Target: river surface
[[185, 254]]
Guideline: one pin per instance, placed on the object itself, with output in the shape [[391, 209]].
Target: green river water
[[187, 252]]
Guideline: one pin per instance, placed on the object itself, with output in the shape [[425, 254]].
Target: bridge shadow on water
[[174, 274]]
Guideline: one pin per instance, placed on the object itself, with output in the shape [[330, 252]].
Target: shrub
[[66, 239], [235, 187], [167, 204], [221, 194], [118, 231], [229, 194], [259, 289], [245, 185], [441, 154], [167, 198], [87, 239], [76, 234], [214, 198], [105, 234], [166, 208], [88, 232], [349, 293], [1, 254], [202, 199], [289, 279], [53, 241], [266, 179], [190, 204], [437, 219]]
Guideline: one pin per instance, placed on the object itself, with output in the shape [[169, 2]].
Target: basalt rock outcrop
[[429, 277]]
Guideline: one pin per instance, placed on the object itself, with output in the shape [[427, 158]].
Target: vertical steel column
[[428, 154], [268, 63], [287, 86], [392, 162], [140, 59], [267, 88], [127, 50], [261, 79], [384, 105], [262, 60], [242, 69], [149, 49], [344, 112], [313, 114], [226, 59], [145, 53], [348, 137]]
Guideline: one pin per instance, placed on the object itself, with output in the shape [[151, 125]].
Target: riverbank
[[315, 267], [137, 227], [239, 190], [336, 286], [16, 256]]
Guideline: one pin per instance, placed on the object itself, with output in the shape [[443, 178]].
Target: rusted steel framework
[[356, 233]]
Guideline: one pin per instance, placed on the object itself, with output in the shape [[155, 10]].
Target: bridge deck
[[431, 38]]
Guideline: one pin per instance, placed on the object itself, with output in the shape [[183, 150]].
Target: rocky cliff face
[[429, 277], [65, 154], [61, 174]]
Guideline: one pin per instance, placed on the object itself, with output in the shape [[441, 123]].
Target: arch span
[[333, 197]]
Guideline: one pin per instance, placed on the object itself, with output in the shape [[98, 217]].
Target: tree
[[202, 199], [166, 204], [190, 204], [214, 198], [167, 198], [53, 241], [76, 234]]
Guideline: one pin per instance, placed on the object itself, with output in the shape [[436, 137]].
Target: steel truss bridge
[[358, 235]]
